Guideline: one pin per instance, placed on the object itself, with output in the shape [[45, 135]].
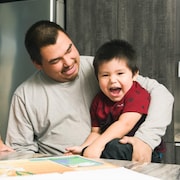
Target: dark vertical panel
[[90, 23], [150, 26], [177, 154], [177, 87], [170, 155]]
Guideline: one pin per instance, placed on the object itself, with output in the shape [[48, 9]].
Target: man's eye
[[120, 73], [55, 61]]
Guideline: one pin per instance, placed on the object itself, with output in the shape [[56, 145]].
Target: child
[[119, 108]]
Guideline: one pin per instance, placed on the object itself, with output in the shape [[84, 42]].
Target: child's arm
[[90, 139], [118, 129]]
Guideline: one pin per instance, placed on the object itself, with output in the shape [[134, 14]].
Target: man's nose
[[66, 61]]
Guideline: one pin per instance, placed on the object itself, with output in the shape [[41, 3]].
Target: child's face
[[115, 78]]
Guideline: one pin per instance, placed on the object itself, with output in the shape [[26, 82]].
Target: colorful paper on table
[[76, 161], [58, 164]]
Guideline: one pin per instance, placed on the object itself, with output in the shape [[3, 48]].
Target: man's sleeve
[[20, 135], [159, 113]]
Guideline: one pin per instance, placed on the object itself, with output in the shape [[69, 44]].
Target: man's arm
[[20, 134], [159, 113], [149, 134]]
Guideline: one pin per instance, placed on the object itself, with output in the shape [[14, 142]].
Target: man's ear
[[37, 66], [135, 76]]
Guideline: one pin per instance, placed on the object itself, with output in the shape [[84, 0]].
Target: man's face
[[60, 61]]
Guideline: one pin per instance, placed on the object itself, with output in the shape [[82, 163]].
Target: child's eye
[[120, 73], [104, 75]]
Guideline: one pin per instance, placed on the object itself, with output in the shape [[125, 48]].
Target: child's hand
[[73, 150], [93, 151]]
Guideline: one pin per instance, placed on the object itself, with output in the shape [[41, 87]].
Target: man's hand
[[5, 148], [142, 152]]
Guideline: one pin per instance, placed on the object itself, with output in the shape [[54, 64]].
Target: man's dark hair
[[41, 34]]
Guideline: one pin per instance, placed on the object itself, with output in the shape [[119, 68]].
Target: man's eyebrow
[[70, 45]]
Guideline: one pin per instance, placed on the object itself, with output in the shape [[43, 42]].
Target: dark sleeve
[[93, 111]]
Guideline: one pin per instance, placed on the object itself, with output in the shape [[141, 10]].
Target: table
[[159, 170]]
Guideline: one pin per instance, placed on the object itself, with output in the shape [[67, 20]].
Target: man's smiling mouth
[[69, 70]]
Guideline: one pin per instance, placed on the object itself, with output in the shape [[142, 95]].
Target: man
[[50, 111]]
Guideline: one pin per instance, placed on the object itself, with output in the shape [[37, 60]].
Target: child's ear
[[135, 76]]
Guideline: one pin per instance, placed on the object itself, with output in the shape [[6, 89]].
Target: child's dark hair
[[116, 49]]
